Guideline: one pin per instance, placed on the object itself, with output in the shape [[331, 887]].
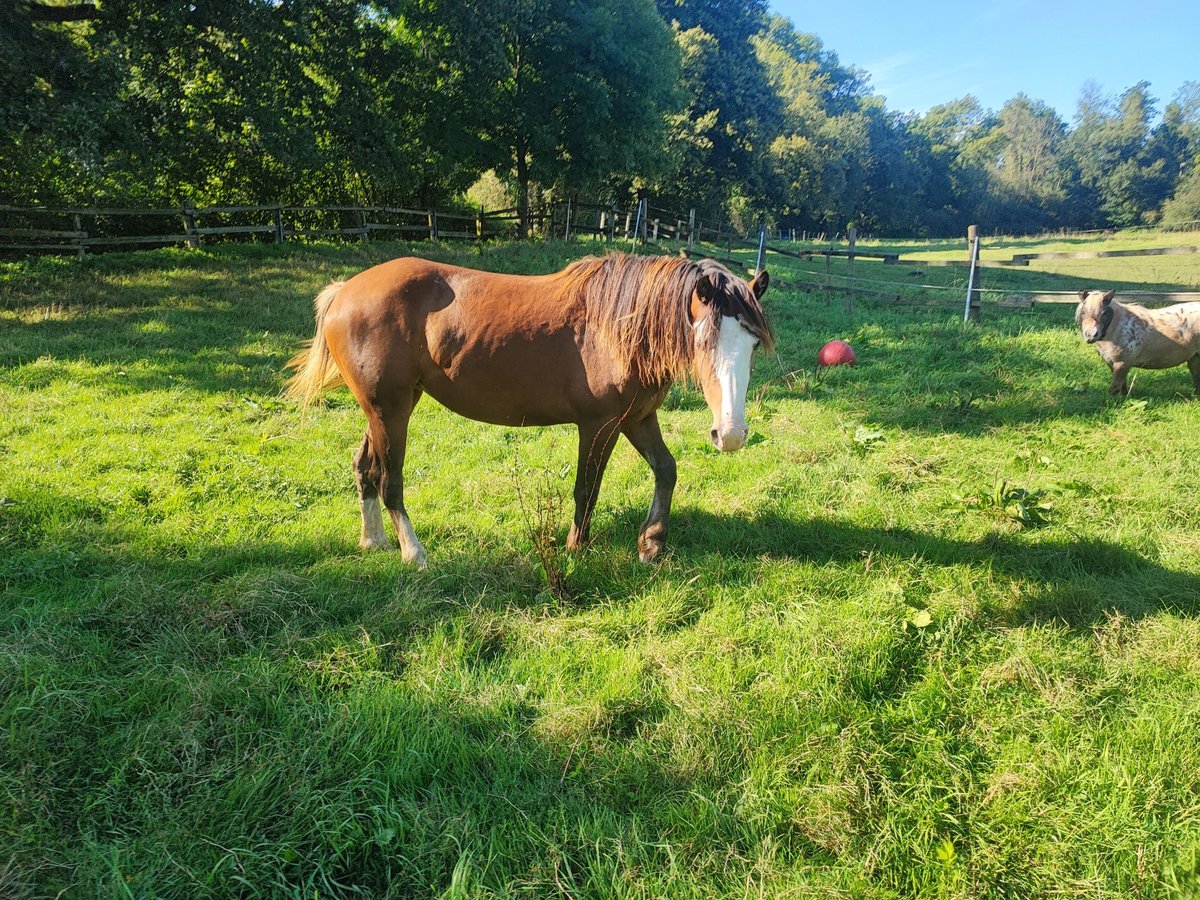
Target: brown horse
[[596, 344], [1128, 337]]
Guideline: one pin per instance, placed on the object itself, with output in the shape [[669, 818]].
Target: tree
[[581, 89], [56, 99], [1108, 147], [952, 189], [1184, 206], [822, 142], [732, 113], [247, 101]]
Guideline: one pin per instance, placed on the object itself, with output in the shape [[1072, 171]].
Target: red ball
[[836, 353]]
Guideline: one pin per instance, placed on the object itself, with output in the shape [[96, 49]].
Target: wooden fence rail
[[77, 230]]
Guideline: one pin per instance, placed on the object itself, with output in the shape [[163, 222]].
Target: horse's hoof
[[374, 544], [417, 560], [648, 553]]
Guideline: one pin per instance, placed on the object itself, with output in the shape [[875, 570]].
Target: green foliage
[[713, 104], [732, 112], [1185, 205]]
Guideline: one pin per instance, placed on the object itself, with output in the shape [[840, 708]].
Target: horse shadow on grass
[[1074, 581], [291, 699], [215, 322]]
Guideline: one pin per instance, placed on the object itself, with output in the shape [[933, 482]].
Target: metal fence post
[[972, 309], [853, 235]]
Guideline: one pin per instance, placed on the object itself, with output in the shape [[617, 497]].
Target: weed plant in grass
[[859, 671]]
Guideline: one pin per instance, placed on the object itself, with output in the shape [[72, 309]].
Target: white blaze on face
[[734, 350]]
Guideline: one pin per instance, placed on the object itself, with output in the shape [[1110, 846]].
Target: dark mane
[[640, 307]]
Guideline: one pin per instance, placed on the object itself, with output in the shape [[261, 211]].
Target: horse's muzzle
[[728, 441]]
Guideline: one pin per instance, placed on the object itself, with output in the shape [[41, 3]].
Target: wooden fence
[[25, 231], [852, 284], [79, 230]]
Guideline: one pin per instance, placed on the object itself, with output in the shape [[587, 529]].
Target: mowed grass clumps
[[864, 668]]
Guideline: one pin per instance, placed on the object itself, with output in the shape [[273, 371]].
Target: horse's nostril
[[713, 435]]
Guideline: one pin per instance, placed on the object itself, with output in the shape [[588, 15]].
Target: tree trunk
[[523, 194]]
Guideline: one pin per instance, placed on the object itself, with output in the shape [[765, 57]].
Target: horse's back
[[1155, 338], [398, 282], [1180, 322], [496, 347]]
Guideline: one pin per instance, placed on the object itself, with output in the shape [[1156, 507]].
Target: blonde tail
[[315, 369]]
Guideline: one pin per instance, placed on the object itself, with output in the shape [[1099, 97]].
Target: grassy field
[[932, 633], [931, 284]]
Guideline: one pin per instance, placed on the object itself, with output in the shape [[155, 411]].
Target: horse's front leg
[[596, 441], [647, 440], [1120, 379]]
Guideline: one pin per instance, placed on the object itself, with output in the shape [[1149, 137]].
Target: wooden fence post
[[362, 224], [853, 235], [479, 224], [279, 235], [189, 226], [80, 236], [691, 228]]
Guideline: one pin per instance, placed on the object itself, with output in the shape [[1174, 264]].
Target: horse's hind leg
[[393, 421], [647, 440], [367, 474], [1194, 368]]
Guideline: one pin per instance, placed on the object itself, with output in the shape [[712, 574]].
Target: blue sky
[[920, 55]]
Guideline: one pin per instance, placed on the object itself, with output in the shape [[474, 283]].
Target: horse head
[[728, 322], [1094, 314]]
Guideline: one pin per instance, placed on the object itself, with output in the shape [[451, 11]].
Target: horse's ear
[[707, 290], [760, 283], [1108, 297], [1083, 295]]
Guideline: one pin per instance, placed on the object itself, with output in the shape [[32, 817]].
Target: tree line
[[709, 103]]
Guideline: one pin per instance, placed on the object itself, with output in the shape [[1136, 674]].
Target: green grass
[[855, 674], [911, 282]]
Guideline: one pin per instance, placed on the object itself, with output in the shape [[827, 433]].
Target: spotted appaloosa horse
[[1129, 337], [597, 344]]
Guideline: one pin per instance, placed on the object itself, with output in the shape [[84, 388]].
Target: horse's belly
[[486, 404], [1160, 352], [547, 391], [535, 374]]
